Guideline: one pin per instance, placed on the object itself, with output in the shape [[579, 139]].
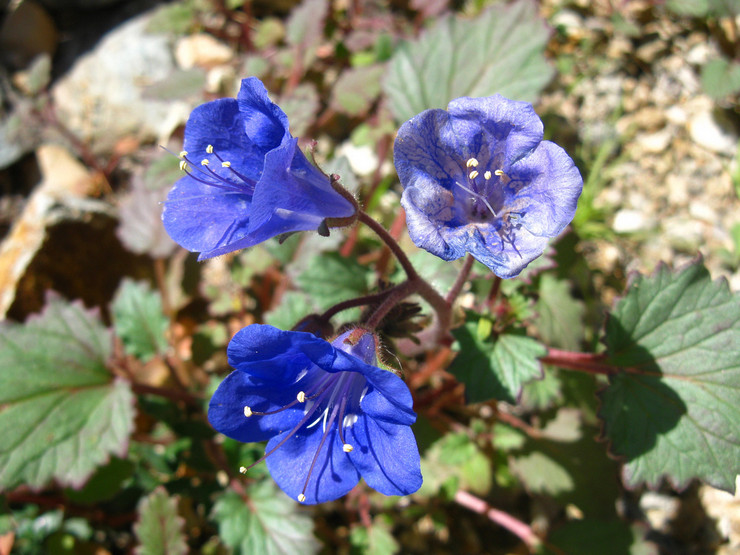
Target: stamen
[[184, 166], [347, 448], [225, 164], [499, 172], [301, 498], [209, 149], [473, 174], [487, 175], [183, 154], [204, 162], [248, 412], [472, 163], [476, 195], [243, 469], [301, 396]]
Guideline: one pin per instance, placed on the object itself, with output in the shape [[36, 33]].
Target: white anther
[[347, 448], [247, 412], [204, 162], [183, 153], [499, 172], [301, 396], [225, 164], [184, 166], [243, 470], [472, 163], [209, 149], [301, 498], [473, 174], [487, 175]]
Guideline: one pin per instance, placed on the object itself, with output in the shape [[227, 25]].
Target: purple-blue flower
[[478, 178], [329, 413], [246, 179]]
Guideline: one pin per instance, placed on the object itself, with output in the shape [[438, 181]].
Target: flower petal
[[333, 474], [386, 456], [265, 124], [226, 409], [275, 355], [293, 195]]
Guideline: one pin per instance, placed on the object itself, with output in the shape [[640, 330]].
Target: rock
[[631, 221], [102, 98], [707, 132], [201, 50], [654, 143]]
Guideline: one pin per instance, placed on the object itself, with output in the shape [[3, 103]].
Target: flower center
[[332, 399], [228, 178]]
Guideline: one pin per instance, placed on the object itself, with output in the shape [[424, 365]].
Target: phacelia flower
[[246, 179], [329, 413], [478, 178]]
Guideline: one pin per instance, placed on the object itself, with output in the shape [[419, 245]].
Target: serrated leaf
[[294, 306], [159, 527], [61, 413], [721, 78], [674, 409], [331, 278], [500, 51], [305, 28], [455, 457], [269, 524], [356, 90], [495, 367], [374, 540], [139, 320], [560, 316]]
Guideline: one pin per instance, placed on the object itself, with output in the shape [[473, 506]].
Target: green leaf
[[560, 316], [269, 524], [356, 90], [293, 307], [721, 78], [331, 278], [305, 28], [374, 540], [159, 529], [60, 411], [301, 106], [139, 320], [674, 409], [696, 8], [494, 367], [500, 51], [455, 459]]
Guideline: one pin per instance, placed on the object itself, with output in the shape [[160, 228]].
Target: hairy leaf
[[331, 278], [159, 528], [494, 366], [674, 408], [61, 413], [499, 51], [269, 524], [138, 319]]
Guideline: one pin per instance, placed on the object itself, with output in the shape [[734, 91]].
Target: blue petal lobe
[[386, 456], [265, 124], [226, 409], [333, 473]]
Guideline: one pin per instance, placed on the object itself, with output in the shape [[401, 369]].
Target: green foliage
[[304, 29], [499, 51], [494, 366], [560, 316], [61, 412], [614, 537], [331, 278], [721, 78], [139, 320], [374, 540], [455, 461], [159, 527], [674, 408], [356, 90], [267, 522]]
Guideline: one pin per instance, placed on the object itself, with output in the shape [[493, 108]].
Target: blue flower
[[246, 179], [329, 413], [478, 178]]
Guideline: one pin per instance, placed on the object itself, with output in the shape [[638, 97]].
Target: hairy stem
[[589, 363], [386, 237], [359, 301], [520, 529], [462, 277]]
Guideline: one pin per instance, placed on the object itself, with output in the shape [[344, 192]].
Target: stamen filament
[[476, 195]]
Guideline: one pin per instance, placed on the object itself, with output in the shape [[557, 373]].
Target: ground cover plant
[[379, 285]]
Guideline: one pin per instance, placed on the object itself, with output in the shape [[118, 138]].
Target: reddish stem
[[462, 277], [520, 529], [582, 362]]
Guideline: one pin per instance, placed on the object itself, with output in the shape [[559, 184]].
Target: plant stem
[[386, 237], [520, 529], [359, 301], [395, 296], [462, 277], [172, 394], [589, 363]]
